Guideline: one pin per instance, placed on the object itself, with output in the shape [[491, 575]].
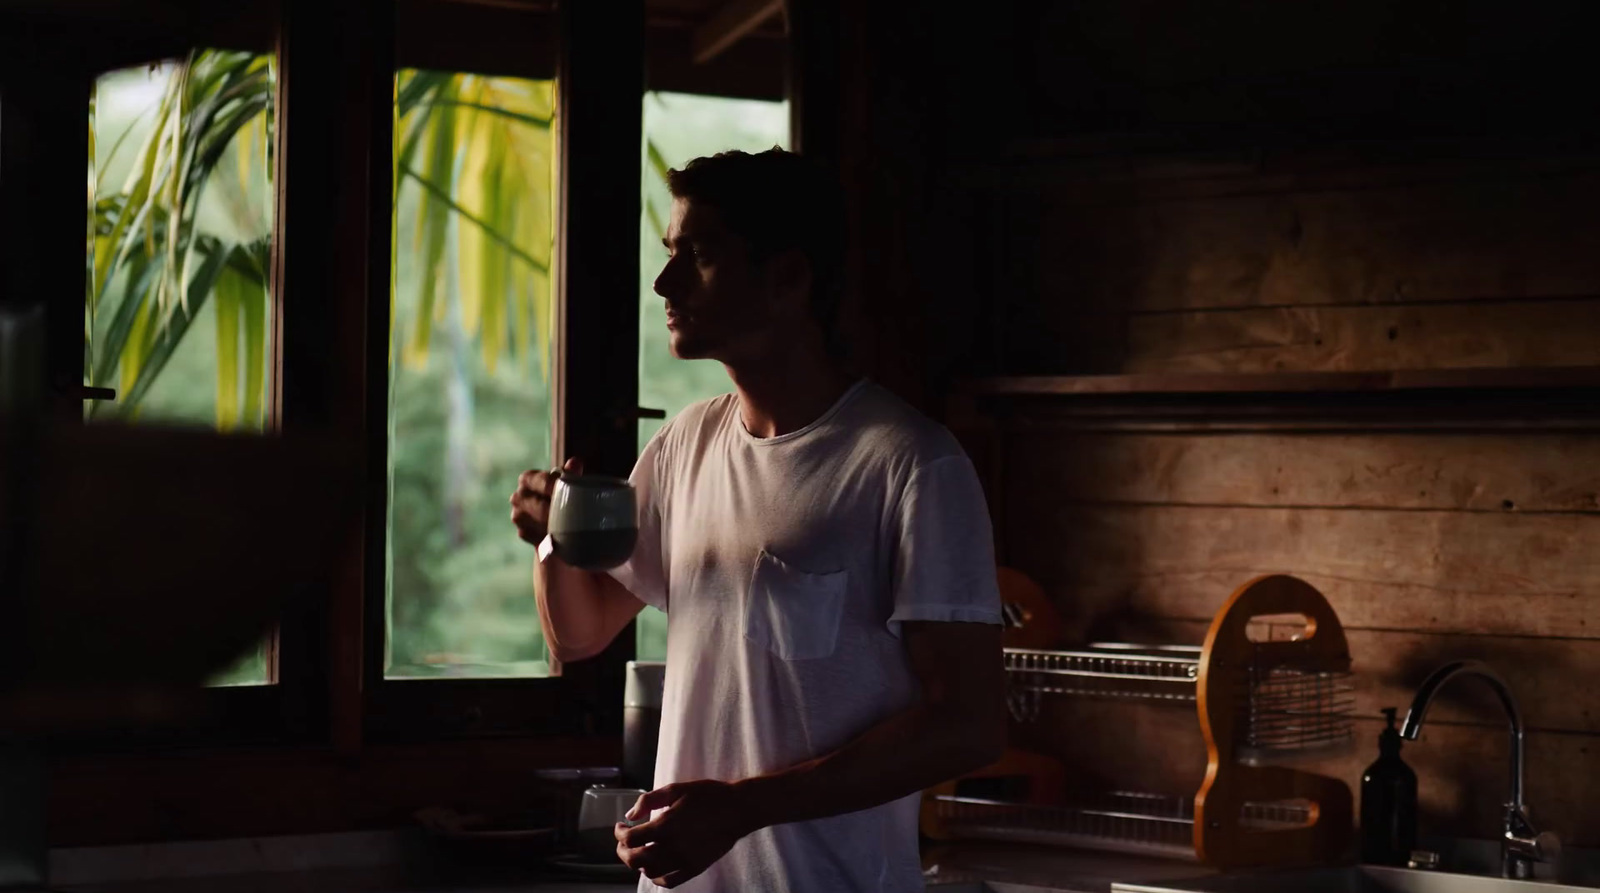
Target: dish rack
[[1289, 712], [1260, 704]]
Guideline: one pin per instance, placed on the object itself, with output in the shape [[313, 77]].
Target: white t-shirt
[[786, 565]]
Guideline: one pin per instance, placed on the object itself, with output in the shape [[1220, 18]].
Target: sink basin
[[1354, 879]]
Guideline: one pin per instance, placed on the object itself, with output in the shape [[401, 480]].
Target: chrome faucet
[[1520, 844]]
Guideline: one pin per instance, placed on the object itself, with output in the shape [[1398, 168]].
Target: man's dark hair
[[776, 201]]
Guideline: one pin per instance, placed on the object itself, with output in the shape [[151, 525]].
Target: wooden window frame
[[329, 369], [70, 54], [598, 56]]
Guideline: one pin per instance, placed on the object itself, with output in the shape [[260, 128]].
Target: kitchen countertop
[[396, 861], [969, 868], [409, 861], [965, 869], [363, 880], [1034, 869]]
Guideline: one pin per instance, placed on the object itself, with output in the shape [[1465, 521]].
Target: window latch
[[77, 391], [622, 418]]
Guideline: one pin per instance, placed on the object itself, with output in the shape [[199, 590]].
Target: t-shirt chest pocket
[[794, 613]]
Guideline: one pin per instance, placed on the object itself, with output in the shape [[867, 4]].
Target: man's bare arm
[[959, 724], [580, 611]]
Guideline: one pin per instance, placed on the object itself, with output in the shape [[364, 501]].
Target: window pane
[[177, 316], [677, 128], [470, 369]]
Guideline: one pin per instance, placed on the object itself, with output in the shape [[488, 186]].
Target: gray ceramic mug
[[602, 809], [594, 521], [642, 692]]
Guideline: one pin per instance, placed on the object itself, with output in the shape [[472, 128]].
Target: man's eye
[[691, 252]]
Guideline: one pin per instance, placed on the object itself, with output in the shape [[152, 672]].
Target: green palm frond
[[154, 266], [658, 162], [480, 151]]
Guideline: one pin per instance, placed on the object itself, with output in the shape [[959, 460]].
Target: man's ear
[[791, 279]]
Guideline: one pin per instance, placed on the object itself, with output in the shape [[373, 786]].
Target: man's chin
[[687, 347]]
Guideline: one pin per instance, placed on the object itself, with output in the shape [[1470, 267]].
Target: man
[[824, 555]]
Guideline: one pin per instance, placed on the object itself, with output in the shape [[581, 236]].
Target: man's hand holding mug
[[591, 520]]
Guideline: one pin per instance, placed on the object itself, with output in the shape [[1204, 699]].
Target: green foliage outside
[[469, 393], [185, 235]]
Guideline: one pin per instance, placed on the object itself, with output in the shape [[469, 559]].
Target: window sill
[[212, 794]]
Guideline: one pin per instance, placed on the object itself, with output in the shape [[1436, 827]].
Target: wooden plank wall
[[1284, 265], [1432, 545]]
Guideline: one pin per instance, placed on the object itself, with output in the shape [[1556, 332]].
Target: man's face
[[721, 304]]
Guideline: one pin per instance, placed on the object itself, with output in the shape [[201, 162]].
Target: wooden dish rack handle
[[1222, 836]]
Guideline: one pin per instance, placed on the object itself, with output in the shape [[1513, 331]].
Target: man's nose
[[667, 281]]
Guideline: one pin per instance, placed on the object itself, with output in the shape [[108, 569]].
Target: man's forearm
[[580, 611], [907, 753]]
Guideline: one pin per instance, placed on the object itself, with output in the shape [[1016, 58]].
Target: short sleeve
[[944, 548], [645, 574]]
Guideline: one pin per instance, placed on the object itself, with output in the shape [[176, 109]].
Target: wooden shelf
[[1167, 383], [1465, 399]]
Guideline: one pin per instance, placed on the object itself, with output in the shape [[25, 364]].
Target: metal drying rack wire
[[1102, 670], [1287, 712], [1294, 712]]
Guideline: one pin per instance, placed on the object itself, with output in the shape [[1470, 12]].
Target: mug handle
[[547, 547]]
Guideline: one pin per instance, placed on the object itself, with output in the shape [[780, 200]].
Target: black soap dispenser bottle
[[1388, 803]]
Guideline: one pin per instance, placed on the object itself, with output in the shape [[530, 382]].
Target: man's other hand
[[699, 822]]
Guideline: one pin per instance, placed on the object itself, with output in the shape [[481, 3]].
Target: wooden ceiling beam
[[731, 23]]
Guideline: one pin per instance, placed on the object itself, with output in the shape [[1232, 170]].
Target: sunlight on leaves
[[155, 260], [479, 150], [486, 147]]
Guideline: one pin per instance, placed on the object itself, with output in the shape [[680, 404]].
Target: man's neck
[[788, 391]]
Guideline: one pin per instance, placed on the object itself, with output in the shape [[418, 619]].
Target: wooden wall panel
[[1116, 745], [1412, 336], [1519, 236], [1439, 571], [1533, 471], [1546, 674], [1364, 67]]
